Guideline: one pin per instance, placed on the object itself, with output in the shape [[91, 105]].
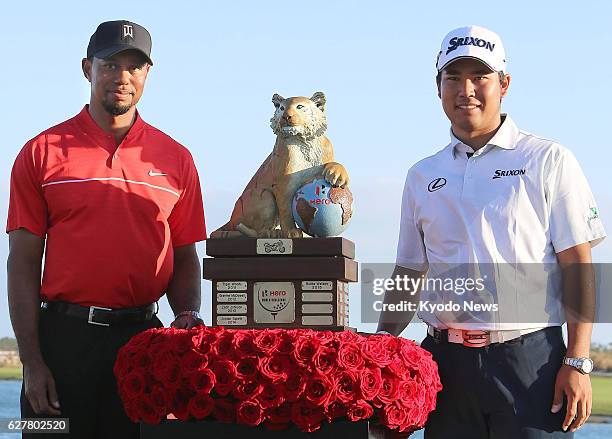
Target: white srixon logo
[[128, 30]]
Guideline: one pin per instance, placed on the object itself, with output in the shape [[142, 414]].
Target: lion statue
[[301, 153]]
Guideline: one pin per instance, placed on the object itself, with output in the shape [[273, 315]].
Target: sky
[[217, 65]]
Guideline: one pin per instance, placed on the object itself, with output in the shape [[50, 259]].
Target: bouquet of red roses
[[276, 376]]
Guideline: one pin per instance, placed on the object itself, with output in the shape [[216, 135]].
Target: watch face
[[587, 365]]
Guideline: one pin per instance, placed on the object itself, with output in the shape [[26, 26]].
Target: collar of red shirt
[[90, 126]]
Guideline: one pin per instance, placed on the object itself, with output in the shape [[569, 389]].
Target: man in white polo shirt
[[514, 214]]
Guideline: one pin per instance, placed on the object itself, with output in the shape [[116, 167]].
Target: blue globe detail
[[320, 209]]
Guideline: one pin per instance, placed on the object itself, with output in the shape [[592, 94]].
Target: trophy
[[264, 272]]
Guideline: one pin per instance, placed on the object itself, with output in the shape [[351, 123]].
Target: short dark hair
[[500, 73]]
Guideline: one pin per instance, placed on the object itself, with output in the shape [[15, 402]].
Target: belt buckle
[[476, 339], [91, 314]]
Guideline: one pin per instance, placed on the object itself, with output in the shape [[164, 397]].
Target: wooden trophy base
[[280, 283]]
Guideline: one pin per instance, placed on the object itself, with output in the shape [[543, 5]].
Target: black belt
[[97, 315]]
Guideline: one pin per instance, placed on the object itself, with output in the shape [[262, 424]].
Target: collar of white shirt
[[505, 138]]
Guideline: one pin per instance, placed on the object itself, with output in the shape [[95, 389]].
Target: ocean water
[[9, 408]]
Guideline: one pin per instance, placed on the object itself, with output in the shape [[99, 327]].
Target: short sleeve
[[186, 221], [27, 205], [410, 247], [574, 216]]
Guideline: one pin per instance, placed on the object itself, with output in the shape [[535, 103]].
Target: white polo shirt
[[505, 213]]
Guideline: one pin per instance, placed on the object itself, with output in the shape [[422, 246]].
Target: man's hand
[[577, 388], [186, 322], [40, 389]]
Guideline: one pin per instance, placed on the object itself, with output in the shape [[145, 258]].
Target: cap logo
[[455, 42], [128, 31]]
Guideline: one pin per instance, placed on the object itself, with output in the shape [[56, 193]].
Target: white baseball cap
[[472, 42]]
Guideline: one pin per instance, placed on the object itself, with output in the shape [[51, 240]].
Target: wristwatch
[[194, 314], [583, 365]]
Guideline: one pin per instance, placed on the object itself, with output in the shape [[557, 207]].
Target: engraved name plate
[[238, 285], [231, 320], [317, 297], [231, 308], [231, 297], [317, 285], [317, 308], [317, 320]]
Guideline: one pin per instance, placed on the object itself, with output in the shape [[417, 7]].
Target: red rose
[[172, 375], [335, 410], [324, 336], [193, 360], [394, 416], [161, 358], [247, 389], [410, 353], [325, 359], [275, 368], [349, 356], [270, 395], [224, 411], [389, 390], [374, 350], [202, 380], [370, 382], [359, 410], [247, 367], [244, 343], [201, 406], [307, 417], [349, 337], [134, 385], [267, 340], [305, 349], [411, 393], [181, 341], [142, 360], [286, 344], [179, 406], [295, 385], [398, 368], [415, 418], [224, 345], [279, 415], [225, 376], [249, 413], [319, 390], [159, 399], [347, 386], [166, 369]]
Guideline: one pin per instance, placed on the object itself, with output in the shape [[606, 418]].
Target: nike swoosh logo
[[155, 174]]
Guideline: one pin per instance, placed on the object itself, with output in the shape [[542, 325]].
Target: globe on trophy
[[264, 271]]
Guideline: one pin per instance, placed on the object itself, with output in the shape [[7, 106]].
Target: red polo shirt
[[111, 214]]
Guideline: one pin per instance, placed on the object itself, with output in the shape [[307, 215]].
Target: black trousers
[[500, 391], [81, 357]]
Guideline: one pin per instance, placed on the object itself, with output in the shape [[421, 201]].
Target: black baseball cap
[[112, 37]]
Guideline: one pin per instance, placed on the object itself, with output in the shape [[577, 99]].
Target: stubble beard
[[116, 109]]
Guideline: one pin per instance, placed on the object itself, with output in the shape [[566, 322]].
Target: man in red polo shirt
[[117, 203]]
